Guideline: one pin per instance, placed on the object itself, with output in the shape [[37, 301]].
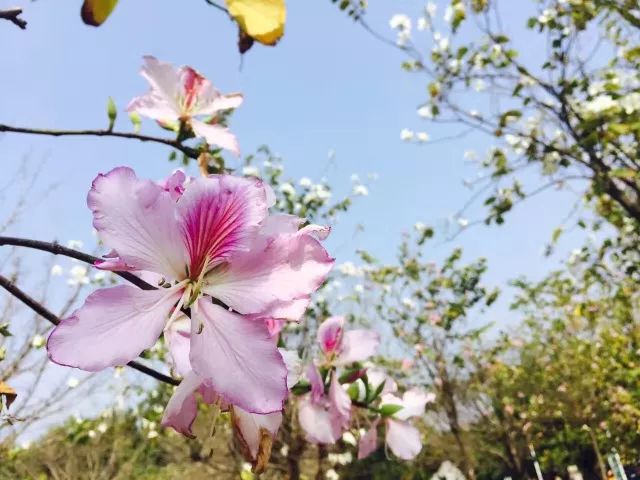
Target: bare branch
[[13, 15]]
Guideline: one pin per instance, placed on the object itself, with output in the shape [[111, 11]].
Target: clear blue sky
[[327, 86]]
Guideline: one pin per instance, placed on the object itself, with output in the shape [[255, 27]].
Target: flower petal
[[275, 270], [294, 366], [216, 135], [137, 218], [237, 357], [178, 338], [220, 215], [161, 102], [358, 345], [330, 334], [403, 439], [252, 427], [317, 423], [369, 441], [182, 408], [174, 184], [112, 327], [413, 403], [340, 403], [317, 385]]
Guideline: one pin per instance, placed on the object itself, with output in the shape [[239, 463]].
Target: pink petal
[[112, 327], [413, 403], [182, 408], [293, 310], [358, 345], [317, 385], [275, 225], [376, 377], [161, 102], [237, 357], [276, 269], [178, 338], [214, 103], [137, 219], [319, 232], [317, 423], [294, 366], [340, 404], [330, 334], [174, 184], [220, 216], [403, 439], [216, 136], [250, 424], [369, 441]]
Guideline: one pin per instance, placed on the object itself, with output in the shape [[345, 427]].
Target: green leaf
[[389, 409], [4, 330]]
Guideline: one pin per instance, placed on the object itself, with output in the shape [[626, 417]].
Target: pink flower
[[401, 437], [406, 364], [342, 348], [179, 95], [212, 243], [324, 416]]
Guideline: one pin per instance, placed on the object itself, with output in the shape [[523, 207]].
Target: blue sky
[[327, 86]]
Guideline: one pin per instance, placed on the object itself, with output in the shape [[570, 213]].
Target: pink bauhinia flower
[[401, 437], [181, 95], [212, 241], [342, 348]]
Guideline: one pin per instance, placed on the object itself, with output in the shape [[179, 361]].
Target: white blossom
[[78, 276], [422, 136], [406, 134], [250, 170], [400, 21], [75, 244], [425, 112], [431, 9], [287, 189], [305, 182], [56, 270], [360, 190], [37, 341], [73, 382]]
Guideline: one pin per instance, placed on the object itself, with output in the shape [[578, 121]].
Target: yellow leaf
[[261, 20], [8, 393], [95, 12]]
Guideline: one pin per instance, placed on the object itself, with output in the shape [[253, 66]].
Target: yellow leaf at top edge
[[262, 20], [95, 12]]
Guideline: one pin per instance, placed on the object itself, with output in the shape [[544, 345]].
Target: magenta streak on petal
[[192, 83]]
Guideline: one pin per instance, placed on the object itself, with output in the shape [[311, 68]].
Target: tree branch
[[188, 151], [13, 15], [51, 317]]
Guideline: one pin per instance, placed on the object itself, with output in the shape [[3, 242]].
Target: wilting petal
[[403, 439], [237, 357], [216, 136], [182, 408], [161, 102], [317, 423], [137, 219], [330, 334], [294, 366], [275, 270], [358, 345], [369, 441], [315, 379], [413, 403], [340, 404], [112, 327], [220, 215], [252, 427], [178, 338]]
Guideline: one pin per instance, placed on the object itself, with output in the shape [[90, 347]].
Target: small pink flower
[[342, 348], [406, 364], [401, 437], [180, 95], [212, 241]]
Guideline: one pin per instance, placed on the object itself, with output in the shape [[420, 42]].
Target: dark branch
[[57, 249], [13, 15], [188, 151], [41, 310]]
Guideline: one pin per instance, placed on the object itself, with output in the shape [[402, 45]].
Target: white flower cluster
[[408, 135], [402, 24]]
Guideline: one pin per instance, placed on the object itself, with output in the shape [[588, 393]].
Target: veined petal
[[137, 219], [182, 408], [252, 427], [216, 135], [220, 216], [403, 439], [276, 269], [112, 327], [174, 184], [237, 357], [369, 441], [161, 102], [330, 334], [358, 345], [178, 338], [317, 423]]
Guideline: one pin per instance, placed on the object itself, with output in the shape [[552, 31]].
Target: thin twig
[[51, 317], [13, 15], [188, 151]]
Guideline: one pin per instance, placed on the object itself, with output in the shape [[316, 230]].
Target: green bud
[[112, 112], [135, 120]]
